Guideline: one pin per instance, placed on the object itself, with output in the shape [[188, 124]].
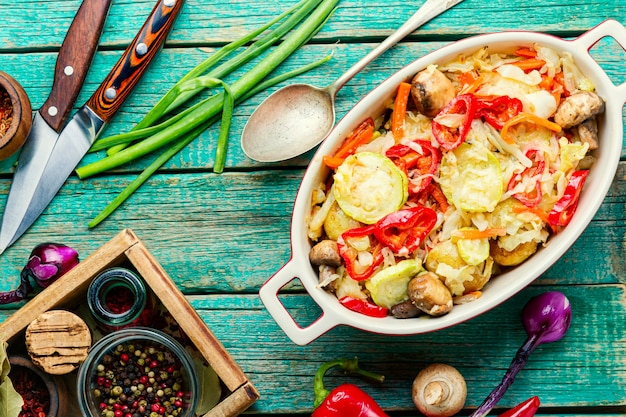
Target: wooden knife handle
[[116, 87], [73, 61]]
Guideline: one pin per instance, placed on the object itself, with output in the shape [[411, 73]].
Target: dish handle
[[611, 28], [269, 296]]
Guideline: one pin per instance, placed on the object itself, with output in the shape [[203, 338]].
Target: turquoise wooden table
[[221, 237]]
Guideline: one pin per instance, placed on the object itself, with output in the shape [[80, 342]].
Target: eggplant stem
[[21, 292], [518, 362]]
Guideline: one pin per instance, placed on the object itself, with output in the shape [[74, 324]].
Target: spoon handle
[[428, 10]]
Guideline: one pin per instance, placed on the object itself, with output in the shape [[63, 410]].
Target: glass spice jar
[[139, 370], [117, 298]]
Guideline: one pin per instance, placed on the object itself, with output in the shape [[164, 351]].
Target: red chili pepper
[[349, 254], [497, 110], [347, 400], [563, 210], [526, 409], [419, 163], [405, 229], [451, 137], [364, 307], [530, 198]]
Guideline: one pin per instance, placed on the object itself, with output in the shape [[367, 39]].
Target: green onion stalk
[[185, 126], [194, 81]]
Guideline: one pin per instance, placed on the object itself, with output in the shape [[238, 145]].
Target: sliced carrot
[[467, 78], [553, 87], [361, 135], [473, 86], [399, 110], [526, 52], [332, 161], [439, 197], [526, 118], [529, 64], [479, 234], [520, 208], [559, 78]]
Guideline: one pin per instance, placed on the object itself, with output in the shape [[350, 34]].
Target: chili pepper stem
[[350, 366], [519, 361]]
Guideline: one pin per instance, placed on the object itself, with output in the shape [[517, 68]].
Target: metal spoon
[[296, 118]]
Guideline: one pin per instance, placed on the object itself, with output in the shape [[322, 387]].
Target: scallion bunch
[[166, 125]]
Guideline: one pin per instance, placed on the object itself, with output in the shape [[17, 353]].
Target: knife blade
[[71, 68], [89, 121]]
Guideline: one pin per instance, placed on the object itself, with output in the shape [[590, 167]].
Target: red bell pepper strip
[[498, 110], [347, 400], [450, 137], [349, 254], [405, 229], [361, 135], [563, 210], [419, 163], [531, 198], [527, 408], [364, 307]]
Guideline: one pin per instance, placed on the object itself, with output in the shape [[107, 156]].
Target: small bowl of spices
[[44, 395], [137, 372], [15, 115]]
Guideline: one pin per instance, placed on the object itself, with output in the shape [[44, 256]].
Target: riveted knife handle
[[73, 61], [116, 87]]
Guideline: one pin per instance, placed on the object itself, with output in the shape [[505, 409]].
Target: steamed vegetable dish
[[473, 166]]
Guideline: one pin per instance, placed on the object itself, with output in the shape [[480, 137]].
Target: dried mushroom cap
[[439, 390], [325, 253], [430, 295], [577, 108], [431, 90]]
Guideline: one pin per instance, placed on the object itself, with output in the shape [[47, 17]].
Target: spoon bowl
[[296, 118], [289, 122]]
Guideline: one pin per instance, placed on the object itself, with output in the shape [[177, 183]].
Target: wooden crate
[[126, 249]]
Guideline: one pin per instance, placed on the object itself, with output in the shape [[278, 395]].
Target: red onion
[[546, 319], [47, 262]]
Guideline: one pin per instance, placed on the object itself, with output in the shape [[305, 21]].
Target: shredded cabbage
[[483, 180]]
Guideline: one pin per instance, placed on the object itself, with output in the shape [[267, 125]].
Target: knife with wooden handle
[[83, 129], [74, 60], [72, 65]]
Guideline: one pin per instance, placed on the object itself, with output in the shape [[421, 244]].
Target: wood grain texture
[[230, 232], [217, 23], [220, 237], [171, 64], [480, 349]]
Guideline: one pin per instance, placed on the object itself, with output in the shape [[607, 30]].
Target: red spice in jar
[[33, 391], [6, 112], [119, 301]]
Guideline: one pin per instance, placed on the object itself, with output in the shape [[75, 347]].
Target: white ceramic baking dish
[[506, 285]]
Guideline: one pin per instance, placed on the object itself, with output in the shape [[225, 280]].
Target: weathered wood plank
[[34, 71], [591, 354], [230, 232], [42, 24]]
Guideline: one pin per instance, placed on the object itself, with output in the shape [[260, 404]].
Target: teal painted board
[[35, 72], [43, 24], [591, 356], [230, 233]]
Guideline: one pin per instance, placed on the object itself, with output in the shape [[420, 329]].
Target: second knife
[[72, 65]]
